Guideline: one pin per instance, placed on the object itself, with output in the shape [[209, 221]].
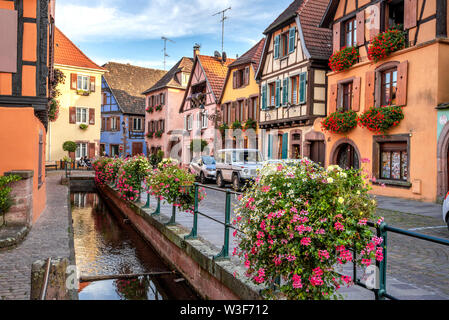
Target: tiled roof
[[288, 13], [318, 40], [127, 83], [253, 55], [170, 79], [216, 72], [66, 53]]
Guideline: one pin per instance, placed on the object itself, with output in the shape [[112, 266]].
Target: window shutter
[[278, 93], [91, 115], [336, 37], [107, 124], [72, 115], [246, 76], [276, 46], [285, 146], [401, 94], [264, 97], [185, 122], [360, 28], [374, 20], [333, 98], [92, 150], [369, 89], [234, 79], [285, 92], [73, 81], [302, 87], [356, 94], [410, 13], [291, 40], [92, 84], [270, 146]]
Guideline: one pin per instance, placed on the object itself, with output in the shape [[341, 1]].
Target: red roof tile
[[253, 55], [68, 54], [216, 72]]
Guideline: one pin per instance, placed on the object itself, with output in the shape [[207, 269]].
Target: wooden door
[[137, 148], [317, 152]]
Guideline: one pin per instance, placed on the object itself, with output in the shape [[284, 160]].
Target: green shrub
[[5, 192]]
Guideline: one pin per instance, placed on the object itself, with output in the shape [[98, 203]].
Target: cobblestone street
[[49, 237]]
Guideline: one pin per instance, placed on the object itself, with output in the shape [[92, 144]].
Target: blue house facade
[[123, 109]]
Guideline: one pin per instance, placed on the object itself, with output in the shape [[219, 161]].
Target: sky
[[130, 31]]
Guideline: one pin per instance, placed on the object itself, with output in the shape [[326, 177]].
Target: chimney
[[196, 50]]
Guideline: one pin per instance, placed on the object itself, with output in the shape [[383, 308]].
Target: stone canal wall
[[212, 279]]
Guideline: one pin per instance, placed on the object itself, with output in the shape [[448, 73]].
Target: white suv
[[237, 166]]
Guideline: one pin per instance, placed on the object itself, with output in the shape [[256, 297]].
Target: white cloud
[[138, 20]]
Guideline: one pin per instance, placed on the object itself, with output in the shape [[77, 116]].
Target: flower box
[[385, 43], [340, 121], [344, 59], [381, 119]]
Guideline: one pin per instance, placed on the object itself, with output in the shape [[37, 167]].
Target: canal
[[106, 245]]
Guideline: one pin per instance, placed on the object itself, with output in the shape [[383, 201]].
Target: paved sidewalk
[[49, 237], [428, 209]]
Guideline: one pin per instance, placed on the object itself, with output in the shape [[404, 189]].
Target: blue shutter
[[270, 146], [285, 92], [276, 46], [264, 97], [302, 87], [285, 146], [278, 93], [291, 40]]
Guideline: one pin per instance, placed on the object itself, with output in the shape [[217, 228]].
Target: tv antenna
[[165, 49], [223, 18]]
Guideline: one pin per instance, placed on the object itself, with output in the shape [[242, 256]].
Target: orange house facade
[[26, 46], [410, 159]]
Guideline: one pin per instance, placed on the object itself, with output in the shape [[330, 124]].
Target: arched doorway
[[345, 154], [315, 147], [442, 162]]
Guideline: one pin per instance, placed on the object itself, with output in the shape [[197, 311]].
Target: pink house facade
[[163, 123], [199, 108]]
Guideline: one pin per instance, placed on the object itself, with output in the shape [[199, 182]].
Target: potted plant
[[70, 147], [83, 126], [82, 92], [381, 119], [340, 121], [385, 43], [344, 59]]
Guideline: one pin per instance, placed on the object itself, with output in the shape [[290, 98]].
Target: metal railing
[[380, 291]]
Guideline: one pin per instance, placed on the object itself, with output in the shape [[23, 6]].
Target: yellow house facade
[[79, 116], [240, 99]]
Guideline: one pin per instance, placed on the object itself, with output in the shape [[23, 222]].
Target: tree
[[69, 146]]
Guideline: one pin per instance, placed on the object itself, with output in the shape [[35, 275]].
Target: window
[[347, 157], [394, 161], [284, 45], [81, 150], [389, 86], [81, 115], [264, 97], [115, 150], [272, 87], [162, 98], [204, 120], [294, 86], [394, 13], [83, 83], [346, 98], [239, 78], [229, 113], [241, 110], [351, 33], [189, 121], [185, 78], [162, 125], [113, 122], [137, 124]]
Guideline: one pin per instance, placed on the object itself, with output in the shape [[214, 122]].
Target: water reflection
[[106, 245]]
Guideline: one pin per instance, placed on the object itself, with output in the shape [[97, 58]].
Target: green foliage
[[250, 124], [83, 126], [5, 192], [299, 222], [236, 125], [133, 171], [156, 158], [381, 119], [340, 121], [69, 146]]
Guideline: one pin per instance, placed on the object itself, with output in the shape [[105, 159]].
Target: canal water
[[105, 244]]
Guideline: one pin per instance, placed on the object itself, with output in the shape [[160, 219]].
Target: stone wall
[[21, 212], [212, 279]]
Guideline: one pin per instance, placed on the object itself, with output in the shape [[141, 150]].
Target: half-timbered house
[[200, 106], [292, 76], [410, 159]]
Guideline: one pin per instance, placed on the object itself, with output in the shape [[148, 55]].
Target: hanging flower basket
[[53, 110], [340, 122], [386, 43], [83, 126], [344, 59], [381, 119]]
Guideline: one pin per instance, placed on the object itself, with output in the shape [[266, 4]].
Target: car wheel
[[202, 178], [220, 181], [236, 182]]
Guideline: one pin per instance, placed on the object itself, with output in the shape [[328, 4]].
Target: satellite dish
[[217, 54], [224, 56]]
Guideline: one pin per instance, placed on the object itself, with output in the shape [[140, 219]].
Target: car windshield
[[208, 160], [247, 156]]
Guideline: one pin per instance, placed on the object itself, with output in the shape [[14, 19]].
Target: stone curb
[[11, 242]]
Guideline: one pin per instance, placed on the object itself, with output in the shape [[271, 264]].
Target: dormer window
[[184, 78], [284, 43]]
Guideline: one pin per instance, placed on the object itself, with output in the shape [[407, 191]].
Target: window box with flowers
[[344, 59], [250, 124], [159, 107], [386, 43], [150, 135], [236, 125], [82, 92], [150, 109], [53, 110], [159, 133], [340, 121], [381, 119], [83, 126], [223, 127]]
